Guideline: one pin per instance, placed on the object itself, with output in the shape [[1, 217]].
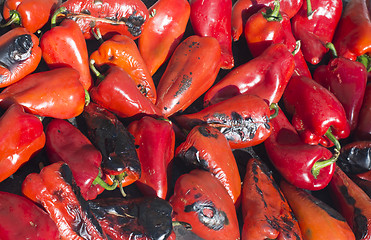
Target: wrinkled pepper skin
[[65, 142], [21, 137], [352, 203], [347, 80], [30, 14], [146, 218], [191, 71], [163, 32], [363, 129], [65, 46], [55, 189], [122, 51], [109, 16], [20, 55], [317, 220], [355, 158], [202, 201], [208, 149], [315, 109], [23, 219], [265, 76], [316, 31], [294, 159], [266, 213], [243, 119], [56, 93], [213, 18], [155, 139]]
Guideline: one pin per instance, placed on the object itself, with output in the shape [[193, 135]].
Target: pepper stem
[[310, 12], [317, 166], [333, 139], [273, 15], [53, 19], [97, 35], [15, 18], [297, 47], [365, 60], [120, 178], [332, 48], [274, 107], [99, 180], [184, 224], [95, 71], [87, 97]]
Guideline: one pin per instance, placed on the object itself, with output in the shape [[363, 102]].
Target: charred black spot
[[185, 83], [206, 132], [355, 158], [198, 195], [134, 24], [58, 194], [15, 50], [260, 192], [86, 11], [194, 44], [329, 210], [191, 157]]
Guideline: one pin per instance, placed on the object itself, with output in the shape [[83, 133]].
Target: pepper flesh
[[363, 129]]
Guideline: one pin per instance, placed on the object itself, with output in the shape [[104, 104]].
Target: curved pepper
[[363, 129], [109, 16], [55, 93], [163, 31], [20, 55], [316, 219], [202, 201], [207, 148], [29, 14], [192, 70], [21, 137], [122, 51]]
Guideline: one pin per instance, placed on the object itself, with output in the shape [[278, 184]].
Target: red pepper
[[213, 18], [30, 14], [202, 201], [163, 31], [20, 55], [265, 76], [354, 159], [55, 189], [305, 166], [155, 139], [314, 25], [208, 149], [363, 129], [56, 93], [318, 115], [109, 16], [266, 213], [64, 45], [21, 137], [243, 119], [192, 70], [23, 219]]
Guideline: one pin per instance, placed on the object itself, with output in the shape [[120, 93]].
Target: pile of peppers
[[187, 119]]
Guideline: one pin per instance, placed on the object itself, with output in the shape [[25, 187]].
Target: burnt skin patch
[[191, 157], [206, 132], [15, 50], [185, 83], [134, 23]]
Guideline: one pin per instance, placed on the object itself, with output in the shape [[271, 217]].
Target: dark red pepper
[[355, 158], [363, 129]]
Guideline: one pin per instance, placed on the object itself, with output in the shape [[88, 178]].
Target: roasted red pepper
[[213, 18], [266, 213], [109, 16], [23, 219], [155, 139], [30, 14], [122, 51], [316, 219], [208, 149], [21, 137], [355, 158], [318, 116], [20, 55], [64, 45], [192, 70], [363, 129], [163, 31], [305, 166], [55, 189], [202, 201], [56, 93]]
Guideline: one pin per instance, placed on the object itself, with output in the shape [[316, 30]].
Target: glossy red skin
[[202, 201], [65, 46], [265, 76], [315, 109], [34, 14], [363, 129], [21, 137], [64, 142], [163, 32], [347, 80], [155, 139], [55, 93], [243, 9], [23, 219], [100, 11], [293, 158], [318, 30], [118, 93], [213, 18]]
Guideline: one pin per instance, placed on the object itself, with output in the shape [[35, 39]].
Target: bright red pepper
[[155, 139], [20, 55], [56, 93], [213, 18], [363, 129], [163, 31]]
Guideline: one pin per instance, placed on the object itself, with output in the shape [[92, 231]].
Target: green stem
[[297, 48], [365, 60], [15, 18], [120, 178], [317, 166], [184, 224], [87, 97], [273, 15], [99, 180], [95, 71], [274, 107], [97, 35], [333, 139], [310, 12], [332, 48], [53, 19]]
